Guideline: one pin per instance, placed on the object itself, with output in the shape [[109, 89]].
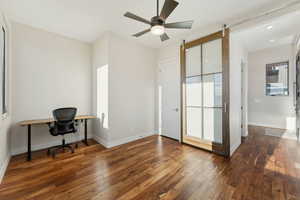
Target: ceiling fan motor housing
[[158, 23], [157, 20]]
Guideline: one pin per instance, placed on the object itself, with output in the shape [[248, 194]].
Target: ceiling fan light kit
[[158, 23], [157, 30]]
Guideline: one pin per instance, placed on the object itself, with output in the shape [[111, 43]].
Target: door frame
[[297, 93], [297, 90], [244, 96], [224, 148]]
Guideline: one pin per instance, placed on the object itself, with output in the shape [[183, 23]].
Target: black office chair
[[64, 124]]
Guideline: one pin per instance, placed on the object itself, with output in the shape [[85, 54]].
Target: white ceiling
[[86, 20], [284, 31]]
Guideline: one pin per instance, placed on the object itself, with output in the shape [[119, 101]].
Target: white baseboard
[[35, 147], [107, 144], [234, 147], [100, 140], [128, 139], [41, 146], [110, 144], [4, 167], [264, 125], [245, 133]]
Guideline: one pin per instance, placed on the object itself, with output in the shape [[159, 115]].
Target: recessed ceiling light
[[269, 27], [272, 40]]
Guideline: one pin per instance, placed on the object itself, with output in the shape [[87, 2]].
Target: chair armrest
[[53, 129]]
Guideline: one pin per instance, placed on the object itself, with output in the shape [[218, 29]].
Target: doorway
[[205, 93]]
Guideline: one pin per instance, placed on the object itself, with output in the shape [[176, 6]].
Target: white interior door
[[169, 98]]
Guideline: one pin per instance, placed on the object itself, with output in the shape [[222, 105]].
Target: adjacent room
[[149, 99]]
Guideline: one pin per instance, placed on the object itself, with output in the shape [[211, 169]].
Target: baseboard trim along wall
[[97, 138], [100, 140], [43, 146], [4, 166], [35, 147], [118, 142], [234, 147], [264, 125]]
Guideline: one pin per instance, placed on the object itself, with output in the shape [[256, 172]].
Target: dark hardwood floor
[[264, 167]]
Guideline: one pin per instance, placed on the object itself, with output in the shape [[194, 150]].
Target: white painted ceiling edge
[[285, 29], [87, 21], [242, 31], [254, 21]]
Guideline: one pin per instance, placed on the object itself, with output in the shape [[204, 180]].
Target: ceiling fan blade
[[164, 37], [141, 33], [180, 25], [137, 18], [168, 8]]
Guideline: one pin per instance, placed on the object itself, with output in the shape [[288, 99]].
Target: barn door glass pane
[[212, 90], [194, 97]]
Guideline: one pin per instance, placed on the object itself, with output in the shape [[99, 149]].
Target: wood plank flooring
[[264, 167]]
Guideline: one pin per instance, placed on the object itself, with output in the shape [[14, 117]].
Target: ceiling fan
[[158, 23]]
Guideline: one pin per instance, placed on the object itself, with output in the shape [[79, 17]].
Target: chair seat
[[55, 131]]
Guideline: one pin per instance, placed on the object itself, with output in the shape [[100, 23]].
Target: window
[[102, 95], [277, 79]]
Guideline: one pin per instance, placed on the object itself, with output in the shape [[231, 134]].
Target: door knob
[[176, 109]]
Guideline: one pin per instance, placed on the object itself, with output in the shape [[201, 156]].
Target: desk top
[[49, 120]]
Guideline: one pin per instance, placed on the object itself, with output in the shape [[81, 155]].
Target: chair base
[[63, 146]]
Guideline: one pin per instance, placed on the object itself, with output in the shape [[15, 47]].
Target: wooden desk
[[29, 123]]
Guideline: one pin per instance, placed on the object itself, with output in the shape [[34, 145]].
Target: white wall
[[6, 121], [270, 111], [131, 89], [49, 71]]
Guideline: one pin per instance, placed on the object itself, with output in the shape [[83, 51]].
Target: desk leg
[[29, 143], [85, 132]]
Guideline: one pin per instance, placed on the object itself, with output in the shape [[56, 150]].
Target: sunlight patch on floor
[[286, 134]]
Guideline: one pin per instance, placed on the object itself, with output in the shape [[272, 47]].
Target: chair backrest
[[64, 118], [63, 115]]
